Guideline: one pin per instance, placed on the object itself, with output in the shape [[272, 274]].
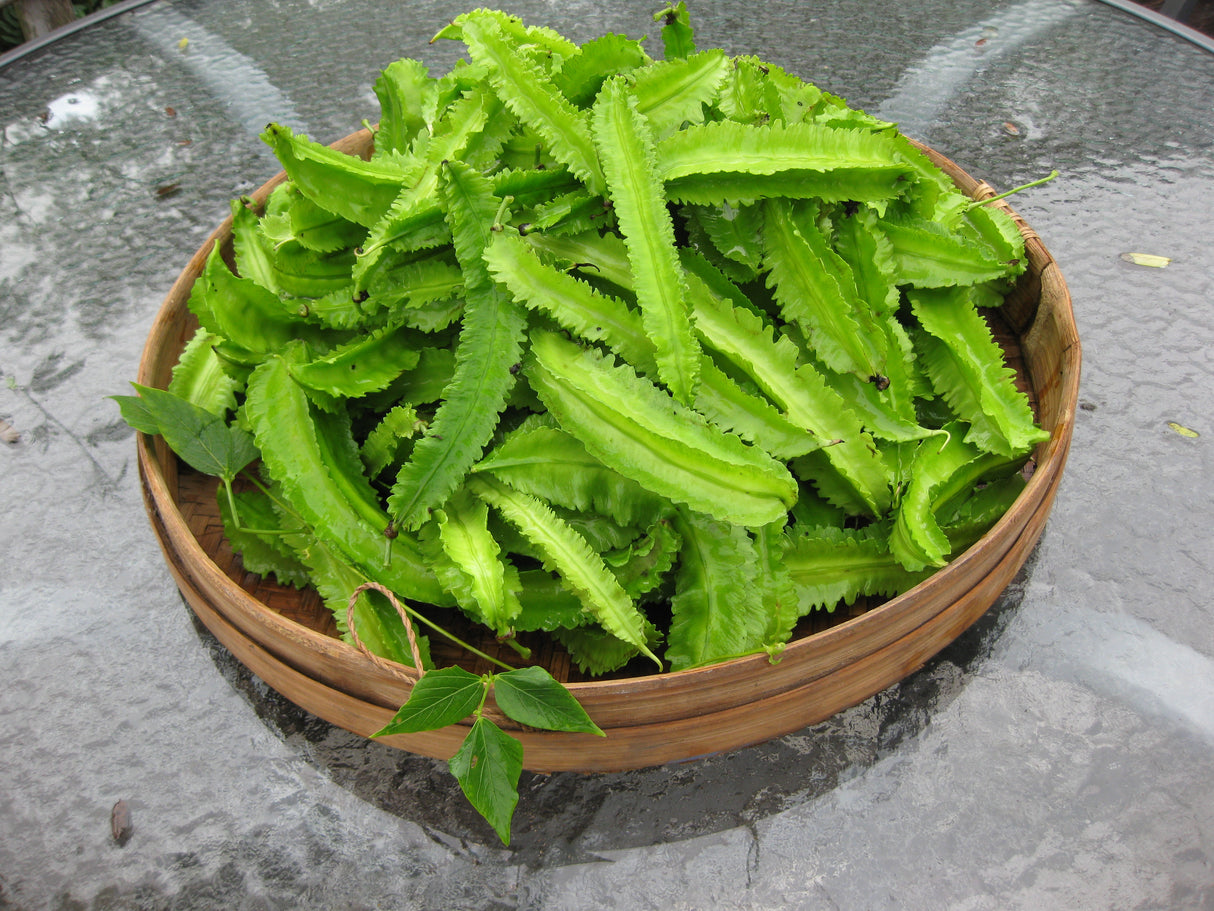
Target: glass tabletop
[[1058, 755]]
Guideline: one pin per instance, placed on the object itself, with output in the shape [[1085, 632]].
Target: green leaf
[[439, 698], [487, 767], [137, 414], [202, 439], [532, 696]]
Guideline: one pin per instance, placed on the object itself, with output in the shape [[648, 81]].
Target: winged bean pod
[[336, 503], [571, 557], [360, 191], [489, 343], [634, 427], [625, 143]]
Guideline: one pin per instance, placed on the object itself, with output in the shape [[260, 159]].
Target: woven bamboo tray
[[288, 639]]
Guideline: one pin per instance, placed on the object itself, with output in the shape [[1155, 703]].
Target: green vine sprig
[[490, 760]]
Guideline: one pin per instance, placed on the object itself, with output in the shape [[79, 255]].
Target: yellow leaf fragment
[[1183, 430], [1146, 259]]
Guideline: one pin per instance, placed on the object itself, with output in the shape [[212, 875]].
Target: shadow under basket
[[835, 660]]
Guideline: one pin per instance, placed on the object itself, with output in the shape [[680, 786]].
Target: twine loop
[[390, 666]]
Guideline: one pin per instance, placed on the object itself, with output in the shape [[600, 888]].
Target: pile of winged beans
[[655, 356]]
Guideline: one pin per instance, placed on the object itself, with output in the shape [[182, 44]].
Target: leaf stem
[[227, 486], [454, 638], [486, 685], [522, 650], [240, 526], [502, 209], [1027, 186]]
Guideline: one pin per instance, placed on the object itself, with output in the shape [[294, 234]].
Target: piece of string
[[390, 667]]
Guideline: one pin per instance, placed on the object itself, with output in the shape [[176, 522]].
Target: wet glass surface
[[1058, 755]]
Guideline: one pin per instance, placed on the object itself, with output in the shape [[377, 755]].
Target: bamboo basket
[[288, 639]]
